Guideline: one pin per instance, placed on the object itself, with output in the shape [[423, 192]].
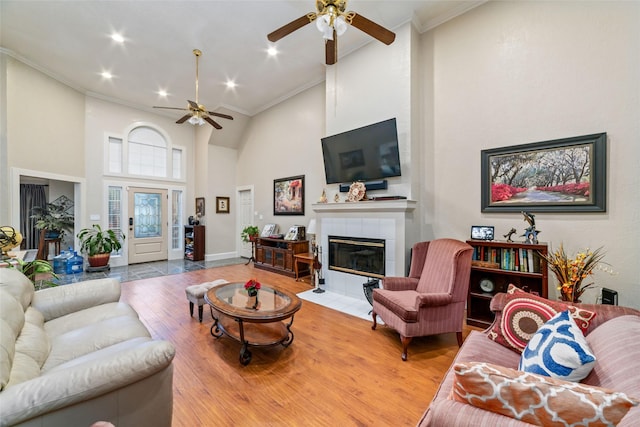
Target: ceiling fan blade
[[331, 49], [194, 105], [224, 116], [171, 108], [374, 30], [289, 28], [183, 119], [212, 122]]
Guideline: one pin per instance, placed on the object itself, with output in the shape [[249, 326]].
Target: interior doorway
[[244, 219], [56, 186], [148, 224]]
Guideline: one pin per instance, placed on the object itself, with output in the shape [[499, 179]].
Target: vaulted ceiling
[[70, 40]]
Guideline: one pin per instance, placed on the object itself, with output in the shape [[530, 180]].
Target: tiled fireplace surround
[[391, 220]]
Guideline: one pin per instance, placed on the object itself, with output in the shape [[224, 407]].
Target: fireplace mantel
[[402, 205]]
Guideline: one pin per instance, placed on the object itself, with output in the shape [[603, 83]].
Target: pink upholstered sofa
[[617, 367]]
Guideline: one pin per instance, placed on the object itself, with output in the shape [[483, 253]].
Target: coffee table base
[[251, 334]]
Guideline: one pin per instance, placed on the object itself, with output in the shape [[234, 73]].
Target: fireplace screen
[[357, 255]]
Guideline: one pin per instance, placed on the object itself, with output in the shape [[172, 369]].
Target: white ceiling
[[69, 40]]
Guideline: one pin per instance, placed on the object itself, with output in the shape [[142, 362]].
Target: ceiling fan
[[332, 21], [198, 114]]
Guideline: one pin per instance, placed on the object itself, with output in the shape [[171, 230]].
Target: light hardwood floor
[[337, 371]]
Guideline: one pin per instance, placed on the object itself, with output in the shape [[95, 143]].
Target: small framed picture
[[292, 234], [222, 205], [482, 232], [269, 230], [199, 207]]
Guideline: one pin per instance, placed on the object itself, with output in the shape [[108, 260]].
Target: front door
[[147, 225]]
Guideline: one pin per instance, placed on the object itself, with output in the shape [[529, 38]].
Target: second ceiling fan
[[332, 19], [198, 113]]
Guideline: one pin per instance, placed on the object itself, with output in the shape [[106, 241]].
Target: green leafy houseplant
[[98, 244], [249, 233], [40, 272], [53, 217]]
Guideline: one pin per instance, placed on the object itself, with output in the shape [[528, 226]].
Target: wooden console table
[[277, 255]]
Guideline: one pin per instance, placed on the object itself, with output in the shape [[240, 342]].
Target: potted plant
[[53, 218], [250, 233], [40, 272], [98, 244]]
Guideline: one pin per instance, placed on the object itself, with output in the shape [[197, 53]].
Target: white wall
[[221, 230], [370, 85], [510, 73], [280, 142], [45, 122]]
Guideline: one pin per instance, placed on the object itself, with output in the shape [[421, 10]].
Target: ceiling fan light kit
[[332, 21], [198, 113]]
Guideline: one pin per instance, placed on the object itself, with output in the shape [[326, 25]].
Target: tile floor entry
[[148, 270]]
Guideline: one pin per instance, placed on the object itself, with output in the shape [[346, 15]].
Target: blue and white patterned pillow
[[558, 350]]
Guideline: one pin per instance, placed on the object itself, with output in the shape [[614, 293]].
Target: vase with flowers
[[252, 286], [571, 272]]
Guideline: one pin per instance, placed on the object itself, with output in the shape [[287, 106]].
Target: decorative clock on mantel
[[357, 192]]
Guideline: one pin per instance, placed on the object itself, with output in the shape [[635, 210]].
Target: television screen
[[365, 154]]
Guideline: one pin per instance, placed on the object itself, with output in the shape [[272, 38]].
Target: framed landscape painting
[[563, 175], [288, 196]]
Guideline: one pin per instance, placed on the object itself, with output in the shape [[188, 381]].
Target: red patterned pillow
[[524, 313], [537, 399]]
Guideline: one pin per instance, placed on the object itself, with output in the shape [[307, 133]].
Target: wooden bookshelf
[[194, 242], [503, 263]]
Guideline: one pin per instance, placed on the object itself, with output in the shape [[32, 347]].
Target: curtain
[[31, 195]]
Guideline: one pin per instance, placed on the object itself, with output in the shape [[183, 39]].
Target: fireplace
[[390, 221], [357, 255]]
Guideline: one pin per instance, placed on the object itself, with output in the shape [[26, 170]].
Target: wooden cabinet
[[497, 264], [194, 242], [277, 254]]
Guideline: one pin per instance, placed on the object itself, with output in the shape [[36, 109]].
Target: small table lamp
[[311, 229]]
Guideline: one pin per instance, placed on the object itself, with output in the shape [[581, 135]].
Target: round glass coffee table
[[252, 321]]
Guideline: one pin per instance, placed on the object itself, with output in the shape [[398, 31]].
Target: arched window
[[144, 152], [147, 152]]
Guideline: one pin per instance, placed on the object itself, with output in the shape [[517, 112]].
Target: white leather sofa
[[73, 355]]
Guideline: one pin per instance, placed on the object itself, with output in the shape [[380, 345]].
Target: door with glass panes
[[148, 225]]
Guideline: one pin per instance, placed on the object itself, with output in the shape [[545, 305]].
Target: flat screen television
[[368, 153]]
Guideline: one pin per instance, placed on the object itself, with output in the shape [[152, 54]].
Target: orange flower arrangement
[[571, 272]]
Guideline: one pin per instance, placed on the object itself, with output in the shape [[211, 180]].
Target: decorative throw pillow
[[524, 313], [558, 350], [537, 399]]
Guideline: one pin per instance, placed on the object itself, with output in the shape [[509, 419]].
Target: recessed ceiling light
[[272, 51], [106, 75], [231, 84], [163, 93], [117, 37]]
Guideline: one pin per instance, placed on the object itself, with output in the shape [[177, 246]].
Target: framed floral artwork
[[562, 175], [288, 196]]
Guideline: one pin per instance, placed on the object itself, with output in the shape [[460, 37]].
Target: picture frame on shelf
[[562, 175], [200, 207], [222, 205], [269, 230], [482, 232], [292, 234], [288, 195]]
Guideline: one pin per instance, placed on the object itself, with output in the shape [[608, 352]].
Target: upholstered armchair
[[432, 299]]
